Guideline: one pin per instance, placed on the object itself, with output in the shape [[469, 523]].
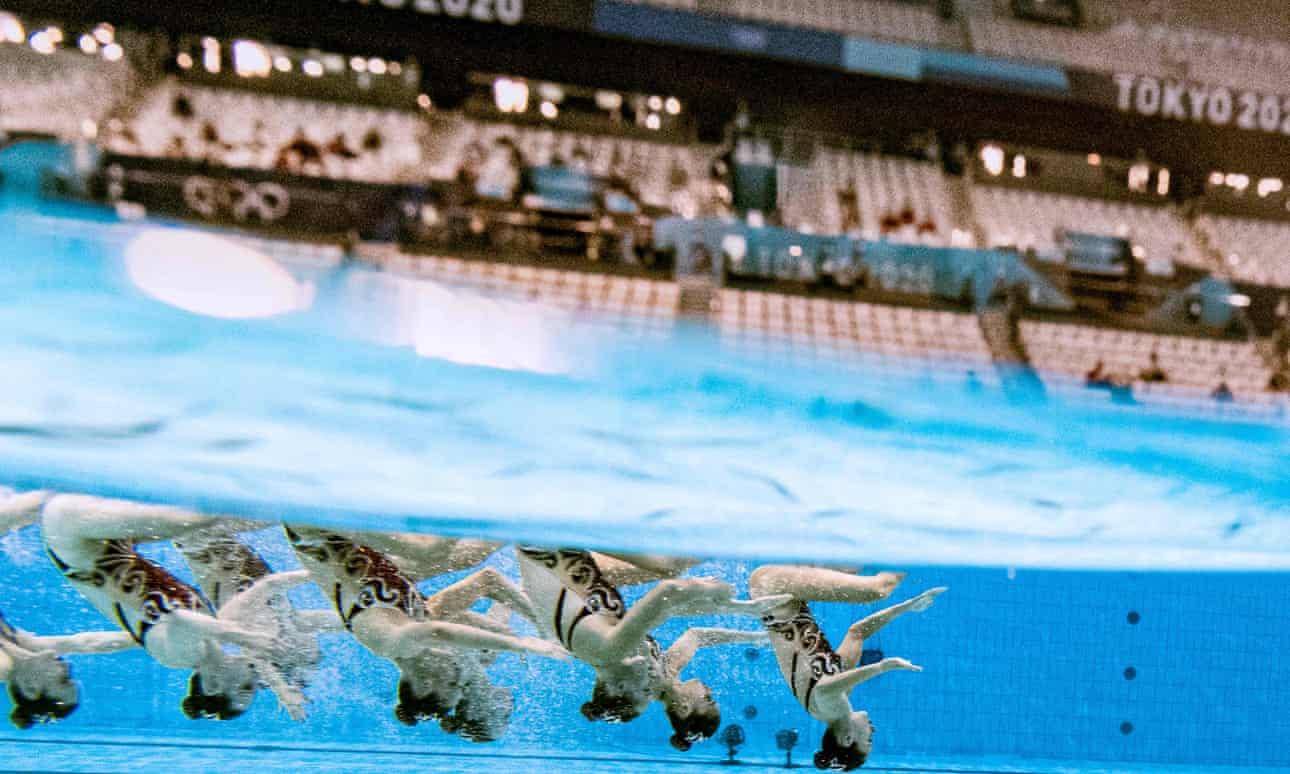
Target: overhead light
[[41, 43], [550, 92], [55, 34], [1215, 178], [1094, 159], [211, 275], [104, 33], [395, 68], [795, 251], [184, 60], [251, 59], [282, 64], [1019, 166], [652, 121], [211, 55], [376, 66], [608, 100], [1162, 182], [1239, 300], [423, 101], [358, 64], [549, 110], [88, 44], [512, 96], [673, 106], [312, 67], [11, 30], [1269, 185], [655, 103], [113, 52], [992, 159]]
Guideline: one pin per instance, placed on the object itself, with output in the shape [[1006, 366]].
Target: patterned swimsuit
[[151, 590], [584, 592], [378, 581], [812, 656]]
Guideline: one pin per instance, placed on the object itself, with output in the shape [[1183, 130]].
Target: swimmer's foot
[[923, 601], [887, 582]]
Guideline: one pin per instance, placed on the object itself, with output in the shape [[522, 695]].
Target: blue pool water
[[1053, 524]]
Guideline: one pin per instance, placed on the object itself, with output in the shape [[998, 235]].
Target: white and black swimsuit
[[583, 592], [372, 579], [120, 572], [804, 653]]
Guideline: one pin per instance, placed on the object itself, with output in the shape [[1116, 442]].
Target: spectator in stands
[[849, 206], [1153, 373], [300, 155], [339, 148], [1222, 393], [1098, 378], [182, 107]]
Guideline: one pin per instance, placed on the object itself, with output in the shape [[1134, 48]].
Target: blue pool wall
[[1027, 664]]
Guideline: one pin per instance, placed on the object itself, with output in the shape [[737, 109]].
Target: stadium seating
[[58, 93], [1253, 250], [651, 166], [1028, 219], [1064, 353], [884, 186], [890, 338], [637, 303], [867, 18], [252, 129]]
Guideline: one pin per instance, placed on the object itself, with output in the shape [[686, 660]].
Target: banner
[[565, 14], [1175, 99], [257, 198]]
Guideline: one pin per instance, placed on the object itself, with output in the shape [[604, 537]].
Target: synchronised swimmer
[[440, 644]]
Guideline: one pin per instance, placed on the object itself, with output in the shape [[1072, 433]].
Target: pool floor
[[133, 756]]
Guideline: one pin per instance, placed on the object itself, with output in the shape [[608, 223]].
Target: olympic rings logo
[[264, 202]]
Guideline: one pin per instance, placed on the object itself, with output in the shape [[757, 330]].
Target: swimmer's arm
[[209, 627], [487, 583], [676, 598], [688, 644], [842, 683], [20, 510], [84, 643]]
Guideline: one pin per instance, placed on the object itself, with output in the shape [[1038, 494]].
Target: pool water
[[1116, 587]]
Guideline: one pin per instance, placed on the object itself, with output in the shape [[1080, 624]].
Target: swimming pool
[[1116, 588]]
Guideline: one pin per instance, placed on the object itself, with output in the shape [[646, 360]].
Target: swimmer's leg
[[635, 569], [425, 556], [487, 583], [74, 526], [852, 646], [815, 584]]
